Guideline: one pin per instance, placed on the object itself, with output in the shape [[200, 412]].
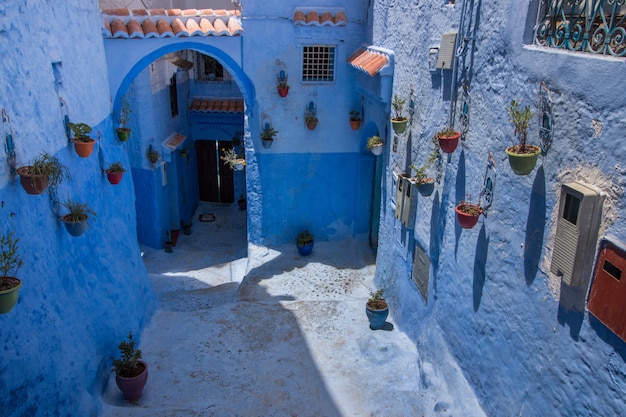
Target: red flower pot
[[32, 184], [283, 91], [114, 177], [449, 143], [466, 220]]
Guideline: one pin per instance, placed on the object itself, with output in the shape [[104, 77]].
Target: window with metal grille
[[591, 26], [318, 63]]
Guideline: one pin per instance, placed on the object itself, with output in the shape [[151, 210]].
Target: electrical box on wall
[[607, 296], [579, 216], [433, 54], [447, 49], [400, 197], [407, 204], [421, 271]]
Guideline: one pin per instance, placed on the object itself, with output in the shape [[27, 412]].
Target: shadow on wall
[[572, 308], [460, 195], [436, 238], [480, 262], [535, 227], [608, 336]]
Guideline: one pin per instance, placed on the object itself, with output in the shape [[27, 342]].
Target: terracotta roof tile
[[368, 60], [190, 22], [219, 105], [320, 17]]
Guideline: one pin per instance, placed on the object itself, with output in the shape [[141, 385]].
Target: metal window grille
[[591, 26], [318, 63]]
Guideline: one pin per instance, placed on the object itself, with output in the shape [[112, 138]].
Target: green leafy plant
[[77, 212], [376, 300], [310, 117], [153, 155], [81, 131], [304, 238], [124, 113], [373, 141], [445, 133], [127, 365], [421, 173], [268, 133], [520, 118], [46, 165], [116, 167], [398, 105], [10, 261], [466, 206]]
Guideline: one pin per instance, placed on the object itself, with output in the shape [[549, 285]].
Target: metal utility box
[[400, 196], [421, 271], [580, 213], [407, 204], [447, 50], [607, 297]]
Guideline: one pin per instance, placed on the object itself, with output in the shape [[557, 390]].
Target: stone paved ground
[[277, 334]]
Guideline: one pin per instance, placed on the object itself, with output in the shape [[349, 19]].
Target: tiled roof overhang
[[162, 23], [319, 17], [368, 60], [219, 105]]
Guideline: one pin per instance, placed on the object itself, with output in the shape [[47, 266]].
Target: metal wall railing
[[591, 26]]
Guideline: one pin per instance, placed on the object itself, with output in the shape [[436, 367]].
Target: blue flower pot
[[377, 318], [306, 249], [76, 229]]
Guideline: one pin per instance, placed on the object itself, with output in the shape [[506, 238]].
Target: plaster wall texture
[[518, 337], [324, 198], [80, 296]]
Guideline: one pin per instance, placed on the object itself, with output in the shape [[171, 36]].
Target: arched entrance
[[167, 191]]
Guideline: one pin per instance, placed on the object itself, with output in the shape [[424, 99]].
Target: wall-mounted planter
[[283, 90], [123, 133], [84, 149], [83, 144], [355, 124], [32, 184], [467, 214], [399, 125], [114, 177], [448, 141], [77, 219], [9, 293], [267, 143], [426, 187], [523, 163], [74, 228]]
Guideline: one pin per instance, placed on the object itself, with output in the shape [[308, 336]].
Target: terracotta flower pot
[[466, 220], [449, 143], [311, 125], [114, 177], [355, 124], [283, 91], [32, 184], [84, 149]]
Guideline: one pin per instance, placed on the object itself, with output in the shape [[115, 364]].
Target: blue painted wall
[[521, 343], [80, 296]]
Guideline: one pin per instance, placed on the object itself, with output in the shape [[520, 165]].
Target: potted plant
[[10, 263], [399, 121], [522, 157], [311, 120], [448, 139], [304, 241], [267, 136], [153, 155], [114, 173], [426, 184], [377, 310], [169, 243], [186, 227], [355, 120], [375, 145], [242, 203], [77, 218], [83, 143], [131, 373], [282, 87], [45, 171], [467, 213], [123, 132], [233, 160]]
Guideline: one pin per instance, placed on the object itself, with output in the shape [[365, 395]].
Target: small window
[[318, 63], [570, 211], [209, 69]]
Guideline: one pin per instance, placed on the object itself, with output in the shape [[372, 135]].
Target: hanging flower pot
[[399, 125], [32, 184], [467, 214], [523, 161], [123, 133], [115, 172], [282, 90], [426, 186], [398, 122], [375, 145], [448, 140], [9, 296], [355, 120], [10, 263], [77, 220], [44, 171], [83, 144]]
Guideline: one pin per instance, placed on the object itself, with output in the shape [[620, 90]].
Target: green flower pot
[[8, 298], [399, 126], [123, 133], [523, 163]]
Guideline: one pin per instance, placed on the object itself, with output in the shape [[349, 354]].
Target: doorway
[[215, 178]]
